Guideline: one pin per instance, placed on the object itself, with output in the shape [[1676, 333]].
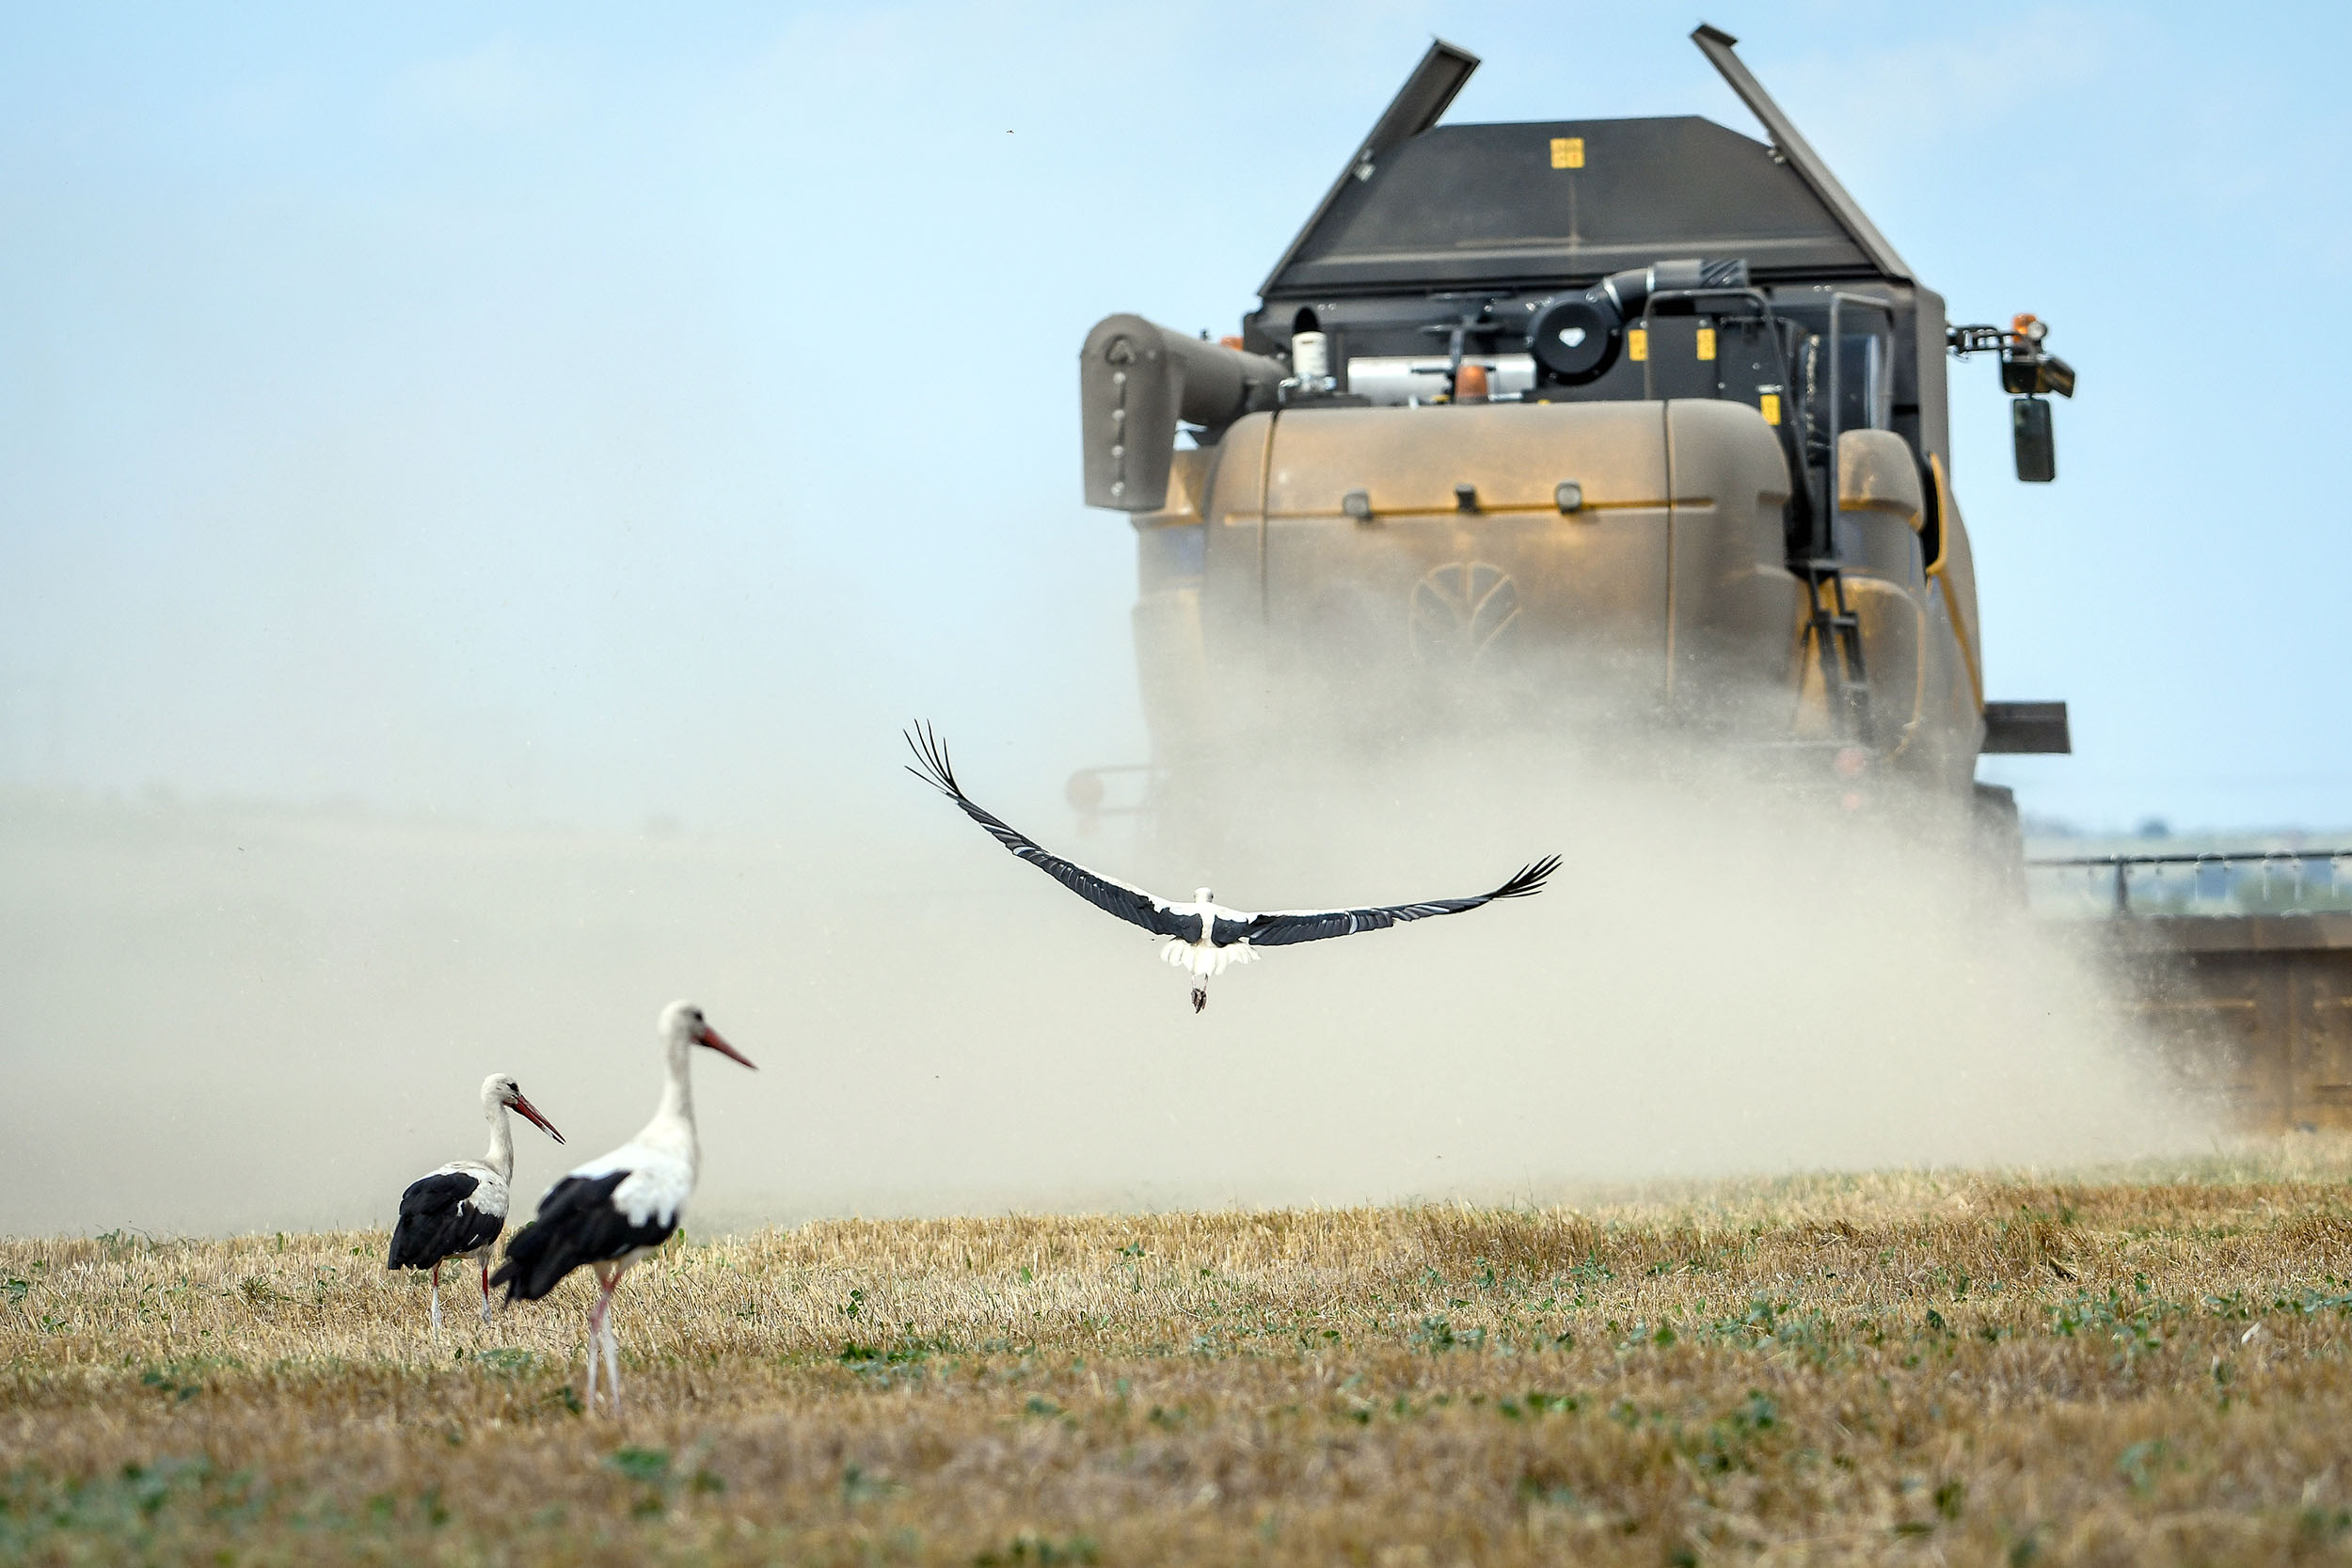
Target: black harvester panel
[[1465, 205]]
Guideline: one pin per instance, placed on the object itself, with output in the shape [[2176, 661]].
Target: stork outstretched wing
[[1280, 927], [1130, 904]]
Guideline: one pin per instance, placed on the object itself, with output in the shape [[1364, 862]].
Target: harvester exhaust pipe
[[1137, 381]]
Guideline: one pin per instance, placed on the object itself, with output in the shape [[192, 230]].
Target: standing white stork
[[1203, 936], [613, 1210], [457, 1209]]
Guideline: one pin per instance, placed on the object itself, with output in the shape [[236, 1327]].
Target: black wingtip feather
[[1530, 879], [930, 756]]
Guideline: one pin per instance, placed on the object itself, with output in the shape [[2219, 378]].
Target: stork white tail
[[1203, 959]]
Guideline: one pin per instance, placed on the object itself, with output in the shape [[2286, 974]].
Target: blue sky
[[566, 412]]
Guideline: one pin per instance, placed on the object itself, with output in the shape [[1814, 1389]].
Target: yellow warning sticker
[[1568, 151], [1637, 345], [1707, 342], [1769, 406]]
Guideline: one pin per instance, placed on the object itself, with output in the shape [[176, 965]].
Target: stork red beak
[[709, 1037], [531, 1113]]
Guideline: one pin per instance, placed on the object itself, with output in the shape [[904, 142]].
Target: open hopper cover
[[1568, 198]]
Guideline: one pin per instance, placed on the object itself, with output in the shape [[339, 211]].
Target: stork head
[[1203, 896], [500, 1089], [683, 1022]]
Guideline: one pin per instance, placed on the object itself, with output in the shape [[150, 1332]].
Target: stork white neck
[[677, 1088], [673, 1125], [501, 1156]]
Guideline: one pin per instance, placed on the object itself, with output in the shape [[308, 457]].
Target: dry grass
[[1961, 1368]]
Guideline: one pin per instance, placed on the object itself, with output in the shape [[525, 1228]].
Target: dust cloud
[[245, 1018], [466, 438]]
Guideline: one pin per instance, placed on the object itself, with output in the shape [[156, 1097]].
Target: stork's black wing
[[577, 1224], [1280, 927], [437, 1220], [1131, 904]]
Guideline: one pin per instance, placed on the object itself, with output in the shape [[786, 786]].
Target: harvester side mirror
[[2036, 446], [2032, 372]]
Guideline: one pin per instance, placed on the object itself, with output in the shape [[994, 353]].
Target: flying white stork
[[457, 1209], [1203, 936], [613, 1210]]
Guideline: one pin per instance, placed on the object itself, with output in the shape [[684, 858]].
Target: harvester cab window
[[1862, 376], [1865, 391]]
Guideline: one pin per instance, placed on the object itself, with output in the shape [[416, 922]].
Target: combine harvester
[[1624, 423], [1627, 421]]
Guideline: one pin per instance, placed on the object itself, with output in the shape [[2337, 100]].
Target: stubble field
[[1917, 1368]]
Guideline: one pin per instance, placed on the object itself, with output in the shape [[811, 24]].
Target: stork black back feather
[[577, 1224], [436, 1221]]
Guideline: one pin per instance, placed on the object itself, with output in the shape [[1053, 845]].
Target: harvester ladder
[[1837, 634]]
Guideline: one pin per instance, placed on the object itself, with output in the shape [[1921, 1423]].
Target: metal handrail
[[2197, 858], [2122, 861]]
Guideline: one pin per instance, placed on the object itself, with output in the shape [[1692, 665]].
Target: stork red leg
[[600, 1332], [437, 1298], [484, 1264], [600, 1339]]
